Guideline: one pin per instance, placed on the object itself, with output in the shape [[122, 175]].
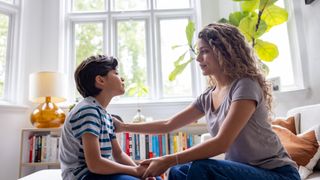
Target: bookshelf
[[144, 146], [48, 160], [27, 167]]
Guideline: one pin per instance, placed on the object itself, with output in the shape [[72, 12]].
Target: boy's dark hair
[[87, 71]]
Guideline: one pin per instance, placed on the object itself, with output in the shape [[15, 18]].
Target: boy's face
[[113, 83]]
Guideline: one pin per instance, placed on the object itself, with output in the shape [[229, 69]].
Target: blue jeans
[[93, 176], [224, 169]]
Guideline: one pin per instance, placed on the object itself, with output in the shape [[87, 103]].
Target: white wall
[[40, 51]]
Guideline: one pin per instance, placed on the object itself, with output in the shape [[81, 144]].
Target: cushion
[[288, 123], [303, 148]]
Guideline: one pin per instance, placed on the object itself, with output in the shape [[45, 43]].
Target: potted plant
[[255, 18]]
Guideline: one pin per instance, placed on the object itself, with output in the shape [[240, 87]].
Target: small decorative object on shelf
[[47, 88], [138, 118]]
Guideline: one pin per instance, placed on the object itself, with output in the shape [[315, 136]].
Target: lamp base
[[47, 115]]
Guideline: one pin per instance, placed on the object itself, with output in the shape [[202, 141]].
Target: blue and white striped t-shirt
[[88, 116]]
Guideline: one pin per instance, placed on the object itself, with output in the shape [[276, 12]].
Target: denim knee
[[173, 171], [201, 163]]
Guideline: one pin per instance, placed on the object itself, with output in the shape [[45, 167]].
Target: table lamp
[[47, 88]]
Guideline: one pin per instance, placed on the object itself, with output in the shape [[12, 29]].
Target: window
[[4, 28], [141, 34], [283, 66], [8, 24]]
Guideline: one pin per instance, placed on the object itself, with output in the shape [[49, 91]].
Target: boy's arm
[[188, 115], [119, 155], [99, 165]]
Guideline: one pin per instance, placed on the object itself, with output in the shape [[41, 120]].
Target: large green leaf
[[178, 69], [176, 46], [250, 5], [241, 0], [132, 89], [266, 3], [180, 58], [236, 17], [137, 89], [190, 29], [142, 89], [261, 29], [274, 15], [266, 51], [247, 26]]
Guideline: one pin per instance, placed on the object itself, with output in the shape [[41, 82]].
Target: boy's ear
[[99, 80]]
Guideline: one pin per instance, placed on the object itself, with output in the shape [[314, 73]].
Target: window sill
[[291, 90], [291, 95], [7, 106], [152, 103]]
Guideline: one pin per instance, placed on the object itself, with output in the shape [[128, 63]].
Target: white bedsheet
[[46, 174]]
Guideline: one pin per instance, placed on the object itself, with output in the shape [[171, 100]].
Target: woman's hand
[[140, 170], [157, 166], [118, 125]]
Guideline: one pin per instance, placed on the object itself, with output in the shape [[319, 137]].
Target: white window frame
[[296, 47], [13, 69], [152, 18]]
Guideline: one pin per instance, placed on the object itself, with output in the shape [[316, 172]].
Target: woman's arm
[[99, 165], [119, 156], [238, 115], [188, 115]]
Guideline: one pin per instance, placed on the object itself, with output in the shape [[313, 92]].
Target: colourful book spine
[[151, 155], [127, 144], [142, 146], [31, 148], [160, 145], [147, 146]]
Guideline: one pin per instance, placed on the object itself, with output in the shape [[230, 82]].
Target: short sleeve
[[86, 120], [202, 102], [246, 89]]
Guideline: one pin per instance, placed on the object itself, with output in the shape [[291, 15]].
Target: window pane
[[4, 25], [131, 46], [8, 1], [88, 5], [88, 40], [173, 33], [282, 65], [170, 4], [129, 5]]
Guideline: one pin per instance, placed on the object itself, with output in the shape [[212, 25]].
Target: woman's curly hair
[[235, 56]]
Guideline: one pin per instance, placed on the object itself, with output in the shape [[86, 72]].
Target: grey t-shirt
[[256, 143]]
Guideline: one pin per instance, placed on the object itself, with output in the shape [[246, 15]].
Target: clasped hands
[[154, 167]]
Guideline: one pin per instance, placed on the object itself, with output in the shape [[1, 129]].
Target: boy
[[88, 139]]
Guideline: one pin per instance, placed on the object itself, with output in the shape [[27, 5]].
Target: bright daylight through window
[[141, 34], [4, 28]]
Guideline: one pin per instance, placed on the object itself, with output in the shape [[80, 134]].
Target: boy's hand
[[118, 125]]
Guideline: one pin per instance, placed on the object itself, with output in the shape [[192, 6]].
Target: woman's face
[[207, 59]]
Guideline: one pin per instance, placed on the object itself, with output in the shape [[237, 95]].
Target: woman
[[236, 107]]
